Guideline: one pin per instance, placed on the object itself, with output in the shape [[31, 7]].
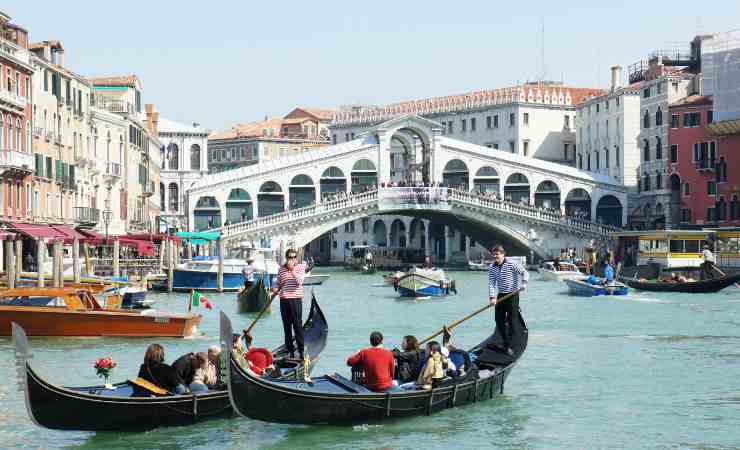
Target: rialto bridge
[[294, 200]]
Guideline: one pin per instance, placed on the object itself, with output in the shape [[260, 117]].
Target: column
[[447, 244], [220, 275], [467, 248], [384, 151], [18, 258], [40, 254], [170, 266], [76, 260], [428, 249], [116, 257], [9, 263]]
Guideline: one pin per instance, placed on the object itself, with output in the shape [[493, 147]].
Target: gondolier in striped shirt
[[290, 288], [504, 277]]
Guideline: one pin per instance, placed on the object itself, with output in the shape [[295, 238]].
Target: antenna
[[543, 70]]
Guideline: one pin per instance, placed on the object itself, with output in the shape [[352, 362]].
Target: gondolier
[[505, 277], [708, 264], [290, 288]]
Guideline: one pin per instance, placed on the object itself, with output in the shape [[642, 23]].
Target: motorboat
[[425, 282], [566, 271], [583, 288]]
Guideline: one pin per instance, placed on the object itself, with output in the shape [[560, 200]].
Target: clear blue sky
[[219, 63]]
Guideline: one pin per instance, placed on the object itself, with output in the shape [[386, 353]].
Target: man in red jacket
[[377, 363]]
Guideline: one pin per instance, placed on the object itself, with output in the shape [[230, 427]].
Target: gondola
[[96, 408], [335, 399], [692, 287], [253, 299]]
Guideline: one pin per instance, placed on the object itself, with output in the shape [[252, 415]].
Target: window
[[565, 151], [606, 158], [658, 117], [658, 180], [616, 155], [674, 121], [646, 120], [646, 151], [734, 208], [710, 116], [646, 92], [489, 122], [674, 153], [526, 119], [721, 209], [511, 146], [691, 119], [598, 161], [495, 145], [721, 170], [566, 123], [646, 182], [472, 124], [685, 215], [495, 121], [464, 126], [711, 188], [449, 127], [365, 224], [512, 119], [597, 107], [686, 189], [333, 140], [658, 148], [580, 161], [617, 101], [711, 215], [588, 161], [525, 147]]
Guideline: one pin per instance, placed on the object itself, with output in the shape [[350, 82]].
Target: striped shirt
[[506, 278], [290, 282]]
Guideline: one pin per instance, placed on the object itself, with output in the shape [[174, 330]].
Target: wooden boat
[[581, 287], [423, 283], [567, 271], [76, 312], [334, 399], [95, 408], [693, 287], [391, 279], [479, 266], [253, 299]]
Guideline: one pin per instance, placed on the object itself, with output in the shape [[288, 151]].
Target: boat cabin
[[668, 248], [385, 257], [69, 298]]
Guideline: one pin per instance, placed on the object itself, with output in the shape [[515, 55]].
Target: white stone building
[[607, 127], [184, 153]]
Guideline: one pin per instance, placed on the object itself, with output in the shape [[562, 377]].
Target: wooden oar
[[473, 314], [723, 274], [267, 306]]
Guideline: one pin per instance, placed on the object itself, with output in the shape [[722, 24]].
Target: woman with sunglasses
[[290, 287]]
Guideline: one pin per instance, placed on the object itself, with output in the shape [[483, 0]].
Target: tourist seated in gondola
[[258, 359], [162, 377], [185, 366], [436, 367], [205, 374], [376, 362], [214, 355], [676, 278], [409, 360]]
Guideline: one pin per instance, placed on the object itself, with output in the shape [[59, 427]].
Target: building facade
[[245, 144], [184, 156], [16, 156]]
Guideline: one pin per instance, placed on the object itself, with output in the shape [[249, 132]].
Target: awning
[[6, 235], [200, 237], [69, 234], [154, 237], [37, 231], [144, 248]]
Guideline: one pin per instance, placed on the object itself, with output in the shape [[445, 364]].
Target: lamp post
[[532, 238], [107, 216]]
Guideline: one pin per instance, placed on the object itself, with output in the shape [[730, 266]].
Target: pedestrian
[[504, 277], [290, 288]]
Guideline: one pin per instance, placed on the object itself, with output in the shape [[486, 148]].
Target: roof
[[323, 114], [693, 100], [123, 80], [250, 129], [535, 93], [170, 126], [57, 45], [725, 127]]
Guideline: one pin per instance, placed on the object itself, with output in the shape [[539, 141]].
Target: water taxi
[[425, 282], [566, 271]]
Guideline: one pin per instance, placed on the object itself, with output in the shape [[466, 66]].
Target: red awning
[[69, 234], [6, 235], [37, 231], [154, 237], [144, 248]]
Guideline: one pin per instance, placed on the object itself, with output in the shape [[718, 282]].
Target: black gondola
[[334, 399], [95, 408], [253, 299], [692, 287]]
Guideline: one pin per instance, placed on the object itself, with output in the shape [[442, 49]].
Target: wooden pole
[[177, 252], [76, 260], [88, 263], [9, 263], [473, 314], [170, 267], [116, 257], [56, 262], [220, 275], [40, 256], [18, 258], [162, 251], [188, 250]]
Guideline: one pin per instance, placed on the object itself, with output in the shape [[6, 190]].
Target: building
[[664, 78], [16, 156], [184, 161], [273, 138], [61, 98], [536, 120], [606, 133], [126, 156]]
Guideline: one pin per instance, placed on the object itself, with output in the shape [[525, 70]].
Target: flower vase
[[107, 384]]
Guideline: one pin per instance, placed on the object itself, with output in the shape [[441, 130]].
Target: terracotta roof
[[535, 93], [324, 114], [123, 80], [39, 45], [250, 129], [296, 120], [693, 100]]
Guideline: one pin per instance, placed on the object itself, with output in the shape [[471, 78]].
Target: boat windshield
[[33, 301]]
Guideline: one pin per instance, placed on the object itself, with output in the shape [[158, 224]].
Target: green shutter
[[72, 177], [49, 173]]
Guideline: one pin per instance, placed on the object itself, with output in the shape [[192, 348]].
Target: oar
[[724, 274], [267, 306], [473, 314]]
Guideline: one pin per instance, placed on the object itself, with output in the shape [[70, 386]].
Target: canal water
[[648, 370]]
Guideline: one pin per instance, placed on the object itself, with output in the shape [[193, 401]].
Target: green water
[[643, 371]]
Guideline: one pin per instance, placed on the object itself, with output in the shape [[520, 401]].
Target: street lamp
[[107, 216]]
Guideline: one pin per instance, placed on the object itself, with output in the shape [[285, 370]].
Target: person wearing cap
[[248, 273], [708, 264], [290, 288]]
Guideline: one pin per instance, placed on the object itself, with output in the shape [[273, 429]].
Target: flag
[[197, 298]]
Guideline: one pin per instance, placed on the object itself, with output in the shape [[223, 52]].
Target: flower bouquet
[[103, 367]]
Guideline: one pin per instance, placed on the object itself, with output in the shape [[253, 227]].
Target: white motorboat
[[568, 271]]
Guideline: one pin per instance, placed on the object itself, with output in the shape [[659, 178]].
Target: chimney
[[60, 58], [155, 123], [616, 77]]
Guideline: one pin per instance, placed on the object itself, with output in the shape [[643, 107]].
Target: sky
[[219, 63]]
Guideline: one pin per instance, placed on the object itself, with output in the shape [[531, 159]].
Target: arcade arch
[[207, 213], [516, 189], [270, 200], [239, 206], [301, 192], [455, 174]]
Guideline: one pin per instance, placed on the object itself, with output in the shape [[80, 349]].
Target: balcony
[[112, 105], [14, 161], [16, 102], [58, 139], [49, 136], [113, 170], [86, 215], [149, 189], [705, 165], [38, 132]]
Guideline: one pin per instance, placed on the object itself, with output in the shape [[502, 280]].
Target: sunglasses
[[292, 256]]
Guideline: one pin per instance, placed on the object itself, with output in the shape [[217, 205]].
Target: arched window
[[646, 182], [598, 160], [172, 156], [658, 117], [721, 170], [580, 161], [174, 198], [646, 120], [658, 148], [646, 150], [162, 204], [195, 157], [588, 161], [11, 146], [735, 208], [658, 180], [28, 136], [721, 209]]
